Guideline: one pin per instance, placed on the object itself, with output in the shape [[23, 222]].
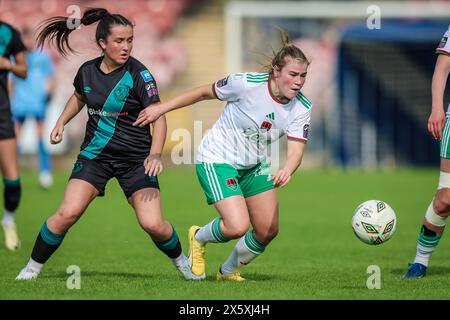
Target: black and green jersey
[[114, 101], [10, 45]]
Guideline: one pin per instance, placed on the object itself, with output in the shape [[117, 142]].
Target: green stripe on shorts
[[445, 152], [221, 180], [210, 176]]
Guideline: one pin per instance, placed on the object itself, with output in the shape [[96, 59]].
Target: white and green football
[[374, 222]]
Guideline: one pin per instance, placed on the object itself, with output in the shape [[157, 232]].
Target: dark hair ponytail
[[93, 15], [57, 29]]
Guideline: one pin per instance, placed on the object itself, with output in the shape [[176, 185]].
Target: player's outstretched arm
[[153, 112], [72, 108], [436, 120], [295, 151]]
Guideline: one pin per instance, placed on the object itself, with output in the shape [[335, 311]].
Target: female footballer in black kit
[[115, 87], [10, 45]]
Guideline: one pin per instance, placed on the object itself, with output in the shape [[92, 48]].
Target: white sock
[[211, 233], [426, 244], [8, 217], [423, 255], [204, 234], [36, 266], [240, 256]]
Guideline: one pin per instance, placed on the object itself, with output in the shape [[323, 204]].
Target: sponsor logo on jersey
[[87, 89], [305, 131], [251, 134], [271, 116], [443, 42], [232, 184], [102, 113], [222, 82], [146, 76]]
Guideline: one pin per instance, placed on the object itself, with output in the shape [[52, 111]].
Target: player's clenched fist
[[57, 133]]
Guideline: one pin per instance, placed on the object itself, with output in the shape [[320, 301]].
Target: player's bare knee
[[273, 232], [235, 228], [267, 234], [154, 228], [442, 202], [66, 216], [236, 231]]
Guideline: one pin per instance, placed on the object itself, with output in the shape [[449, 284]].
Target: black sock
[[11, 194], [171, 247], [46, 244]]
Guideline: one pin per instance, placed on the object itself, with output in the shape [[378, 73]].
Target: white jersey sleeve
[[444, 45], [298, 126], [230, 88]]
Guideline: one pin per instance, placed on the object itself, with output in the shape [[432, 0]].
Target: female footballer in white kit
[[439, 126], [232, 167]]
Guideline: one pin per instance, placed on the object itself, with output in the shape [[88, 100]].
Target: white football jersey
[[444, 45], [253, 118], [444, 48]]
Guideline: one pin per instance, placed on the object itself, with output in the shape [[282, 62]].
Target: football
[[374, 222]]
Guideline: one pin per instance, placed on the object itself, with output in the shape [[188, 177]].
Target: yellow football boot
[[230, 277], [197, 260]]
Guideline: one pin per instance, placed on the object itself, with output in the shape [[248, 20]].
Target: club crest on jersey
[[305, 131], [222, 82], [121, 92], [232, 184], [443, 42], [266, 125], [146, 76]]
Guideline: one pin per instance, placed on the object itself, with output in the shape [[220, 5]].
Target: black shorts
[[6, 125], [130, 174]]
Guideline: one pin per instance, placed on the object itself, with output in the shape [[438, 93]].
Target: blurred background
[[369, 80]]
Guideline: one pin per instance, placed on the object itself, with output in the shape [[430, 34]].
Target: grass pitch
[[315, 256]]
